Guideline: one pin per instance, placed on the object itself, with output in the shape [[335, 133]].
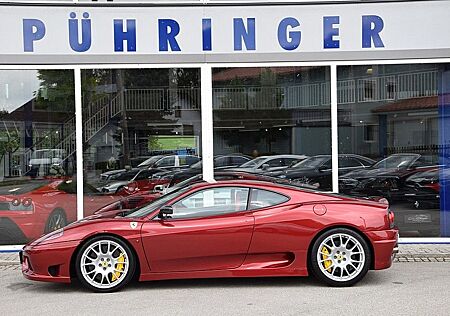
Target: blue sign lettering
[[85, 43], [243, 34], [329, 31], [128, 35], [289, 40], [168, 30], [33, 30], [372, 25], [207, 35]]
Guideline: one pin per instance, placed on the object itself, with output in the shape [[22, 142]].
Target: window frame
[[265, 207], [211, 216]]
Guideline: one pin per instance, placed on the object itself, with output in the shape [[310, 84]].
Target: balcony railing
[[366, 89], [361, 90]]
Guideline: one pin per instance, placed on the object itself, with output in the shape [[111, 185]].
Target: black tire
[[327, 278], [125, 280], [56, 220]]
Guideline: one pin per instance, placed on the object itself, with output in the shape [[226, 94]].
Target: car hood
[[298, 171], [107, 173], [91, 225], [256, 170]]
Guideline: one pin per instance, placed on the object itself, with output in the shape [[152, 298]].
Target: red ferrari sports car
[[223, 229], [32, 207]]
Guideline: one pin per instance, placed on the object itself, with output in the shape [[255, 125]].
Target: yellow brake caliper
[[119, 267], [326, 263]]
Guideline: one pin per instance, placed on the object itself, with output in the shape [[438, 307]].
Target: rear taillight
[[391, 218]]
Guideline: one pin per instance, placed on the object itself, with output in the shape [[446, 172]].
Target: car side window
[[210, 202], [221, 162], [275, 162], [238, 160], [144, 174], [262, 198], [346, 162], [190, 160], [166, 162], [290, 161]]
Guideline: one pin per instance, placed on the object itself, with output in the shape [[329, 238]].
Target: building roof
[[421, 103], [255, 72]]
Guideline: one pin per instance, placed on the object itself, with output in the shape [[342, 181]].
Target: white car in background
[[169, 161], [269, 163]]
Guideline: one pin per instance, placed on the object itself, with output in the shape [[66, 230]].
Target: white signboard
[[224, 33]]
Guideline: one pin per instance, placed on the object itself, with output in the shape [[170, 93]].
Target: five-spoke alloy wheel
[[340, 257], [105, 264]]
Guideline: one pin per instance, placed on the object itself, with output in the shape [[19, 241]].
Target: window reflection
[[392, 116], [277, 116], [141, 128], [37, 153]]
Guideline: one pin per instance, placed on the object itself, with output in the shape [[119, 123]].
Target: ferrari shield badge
[[133, 225]]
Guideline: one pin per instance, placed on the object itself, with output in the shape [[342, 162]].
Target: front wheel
[[105, 264], [340, 257]]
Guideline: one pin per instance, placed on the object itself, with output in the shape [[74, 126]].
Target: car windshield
[[127, 175], [150, 161], [312, 162], [396, 161], [253, 163], [157, 204]]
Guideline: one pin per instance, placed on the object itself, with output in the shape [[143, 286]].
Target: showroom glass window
[[275, 116], [141, 127], [37, 153], [395, 115]]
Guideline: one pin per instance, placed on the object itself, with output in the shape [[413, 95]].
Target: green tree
[[56, 92]]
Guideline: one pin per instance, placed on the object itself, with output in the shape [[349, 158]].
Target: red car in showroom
[[32, 207], [223, 229]]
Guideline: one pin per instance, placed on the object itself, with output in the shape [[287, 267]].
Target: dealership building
[[91, 87]]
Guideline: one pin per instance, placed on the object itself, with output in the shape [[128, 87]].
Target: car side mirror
[[165, 212], [265, 166]]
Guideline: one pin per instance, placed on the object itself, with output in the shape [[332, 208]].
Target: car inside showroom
[[111, 105]]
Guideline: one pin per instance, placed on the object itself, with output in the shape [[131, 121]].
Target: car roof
[[405, 154], [282, 156], [244, 182]]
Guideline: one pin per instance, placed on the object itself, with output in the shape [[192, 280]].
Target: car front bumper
[[48, 262]]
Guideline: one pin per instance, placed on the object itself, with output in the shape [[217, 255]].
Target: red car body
[[46, 196], [269, 241]]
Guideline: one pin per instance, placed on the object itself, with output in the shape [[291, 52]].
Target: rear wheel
[[56, 220], [340, 257], [105, 264]]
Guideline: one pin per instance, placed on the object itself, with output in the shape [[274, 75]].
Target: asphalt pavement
[[410, 288]]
